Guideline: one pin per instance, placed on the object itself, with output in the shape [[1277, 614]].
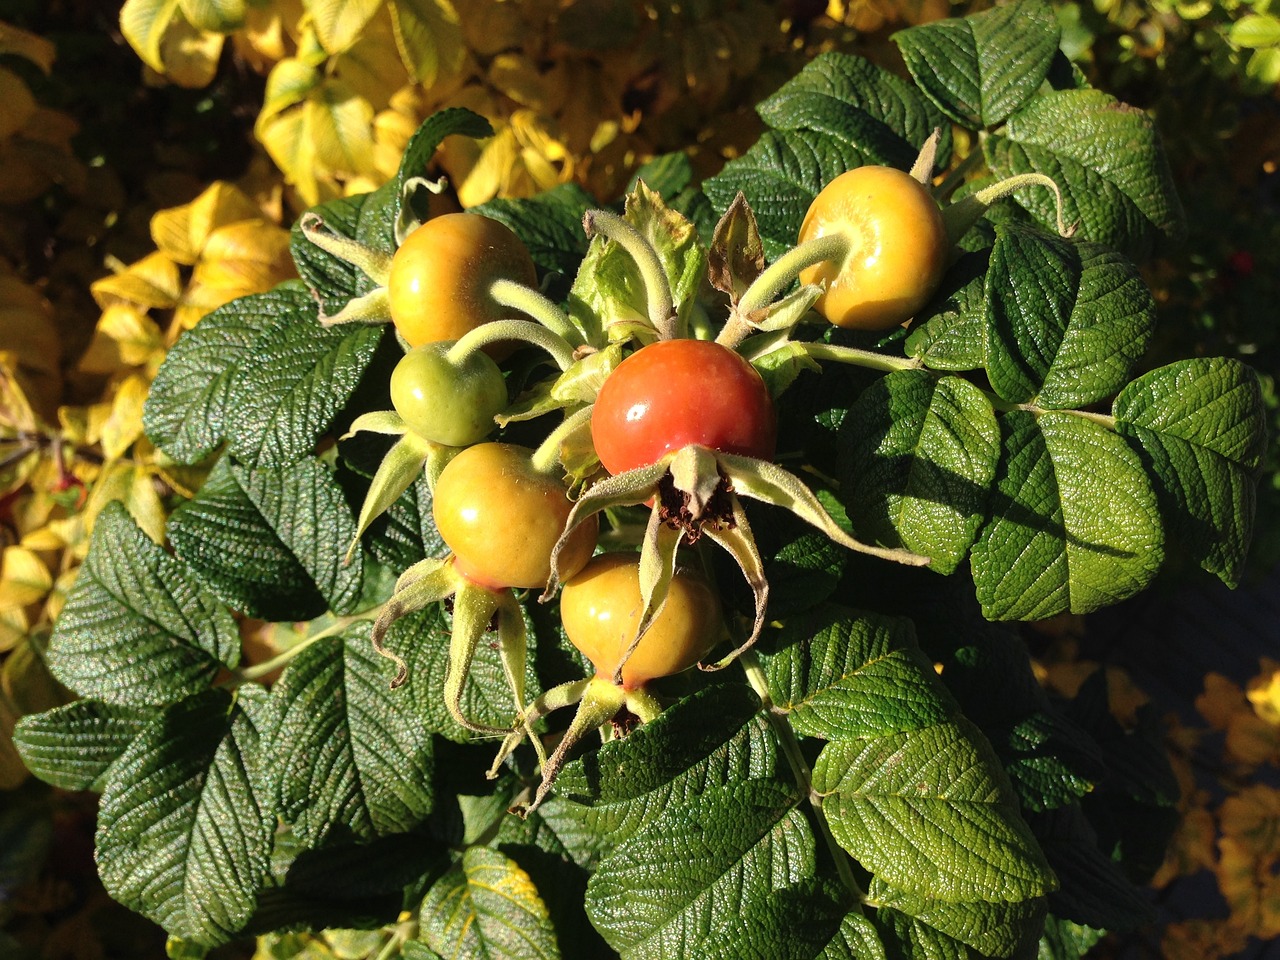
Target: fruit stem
[[661, 305], [260, 670], [517, 296], [643, 704], [799, 768], [967, 211], [860, 358], [545, 458], [498, 330], [374, 264], [780, 274]]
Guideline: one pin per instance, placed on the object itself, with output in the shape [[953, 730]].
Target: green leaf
[[1064, 940], [1067, 321], [353, 757], [421, 148], [186, 411], [1106, 158], [982, 68], [73, 746], [951, 333], [973, 929], [406, 533], [1201, 429], [136, 631], [841, 674], [856, 938], [270, 541], [330, 280], [487, 907], [183, 836], [918, 456], [673, 888], [1074, 524], [929, 811], [839, 112], [1255, 31]]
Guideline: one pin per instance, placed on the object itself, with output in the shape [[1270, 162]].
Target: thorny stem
[[860, 358], [799, 768], [517, 296], [780, 274], [662, 312], [258, 671], [547, 455], [528, 331]]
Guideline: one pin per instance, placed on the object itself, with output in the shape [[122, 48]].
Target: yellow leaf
[[287, 139], [124, 337], [153, 281], [251, 256], [24, 578], [124, 425], [1251, 740], [338, 22], [489, 174], [429, 36], [181, 232], [1250, 886], [1201, 939], [29, 46], [27, 682], [17, 105], [372, 67], [490, 28], [30, 345], [134, 486], [14, 626], [1221, 700], [265, 40], [1264, 692], [190, 55], [342, 127], [288, 84], [144, 23], [221, 16], [58, 595]]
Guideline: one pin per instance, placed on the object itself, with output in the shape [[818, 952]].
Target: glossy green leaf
[[1201, 428], [73, 746], [975, 929], [184, 829], [951, 330], [1106, 158], [270, 541], [486, 906], [353, 757], [549, 224], [1074, 523], [136, 630], [918, 456], [1067, 321], [980, 69], [930, 812]]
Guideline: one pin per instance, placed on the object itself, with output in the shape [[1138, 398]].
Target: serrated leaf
[[1074, 523], [673, 888], [930, 812], [952, 328], [1106, 158], [136, 631], [1064, 940], [353, 757], [143, 23], [279, 406], [73, 746], [270, 541], [407, 533], [981, 68], [422, 147], [979, 929], [487, 907], [1066, 320], [183, 835], [1200, 426], [331, 280], [841, 674], [918, 454], [187, 408]]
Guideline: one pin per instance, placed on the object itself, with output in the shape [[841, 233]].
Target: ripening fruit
[[448, 402], [898, 247]]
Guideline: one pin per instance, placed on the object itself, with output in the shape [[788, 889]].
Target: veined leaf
[[1106, 158], [1074, 523], [270, 541], [1064, 940], [919, 457], [219, 16], [136, 631], [406, 533], [73, 746], [981, 68], [930, 812], [353, 757], [1199, 424], [421, 148], [338, 23], [429, 38], [341, 126], [487, 907], [841, 674], [923, 927], [331, 280], [952, 334], [184, 828], [1067, 320], [143, 23]]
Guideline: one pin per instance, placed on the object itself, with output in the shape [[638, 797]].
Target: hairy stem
[[517, 296], [526, 330], [662, 311], [547, 455], [860, 358], [260, 670], [780, 274]]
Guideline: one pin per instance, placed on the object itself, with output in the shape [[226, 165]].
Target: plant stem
[[661, 305], [799, 768], [860, 358], [547, 455], [517, 296], [780, 274], [1004, 406], [498, 330], [374, 264], [258, 671]]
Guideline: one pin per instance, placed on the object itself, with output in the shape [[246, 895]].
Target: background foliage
[[150, 154]]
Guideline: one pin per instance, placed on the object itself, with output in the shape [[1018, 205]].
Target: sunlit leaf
[[182, 232], [143, 23], [222, 16], [24, 578], [125, 336], [190, 54], [338, 23], [429, 37], [153, 281]]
